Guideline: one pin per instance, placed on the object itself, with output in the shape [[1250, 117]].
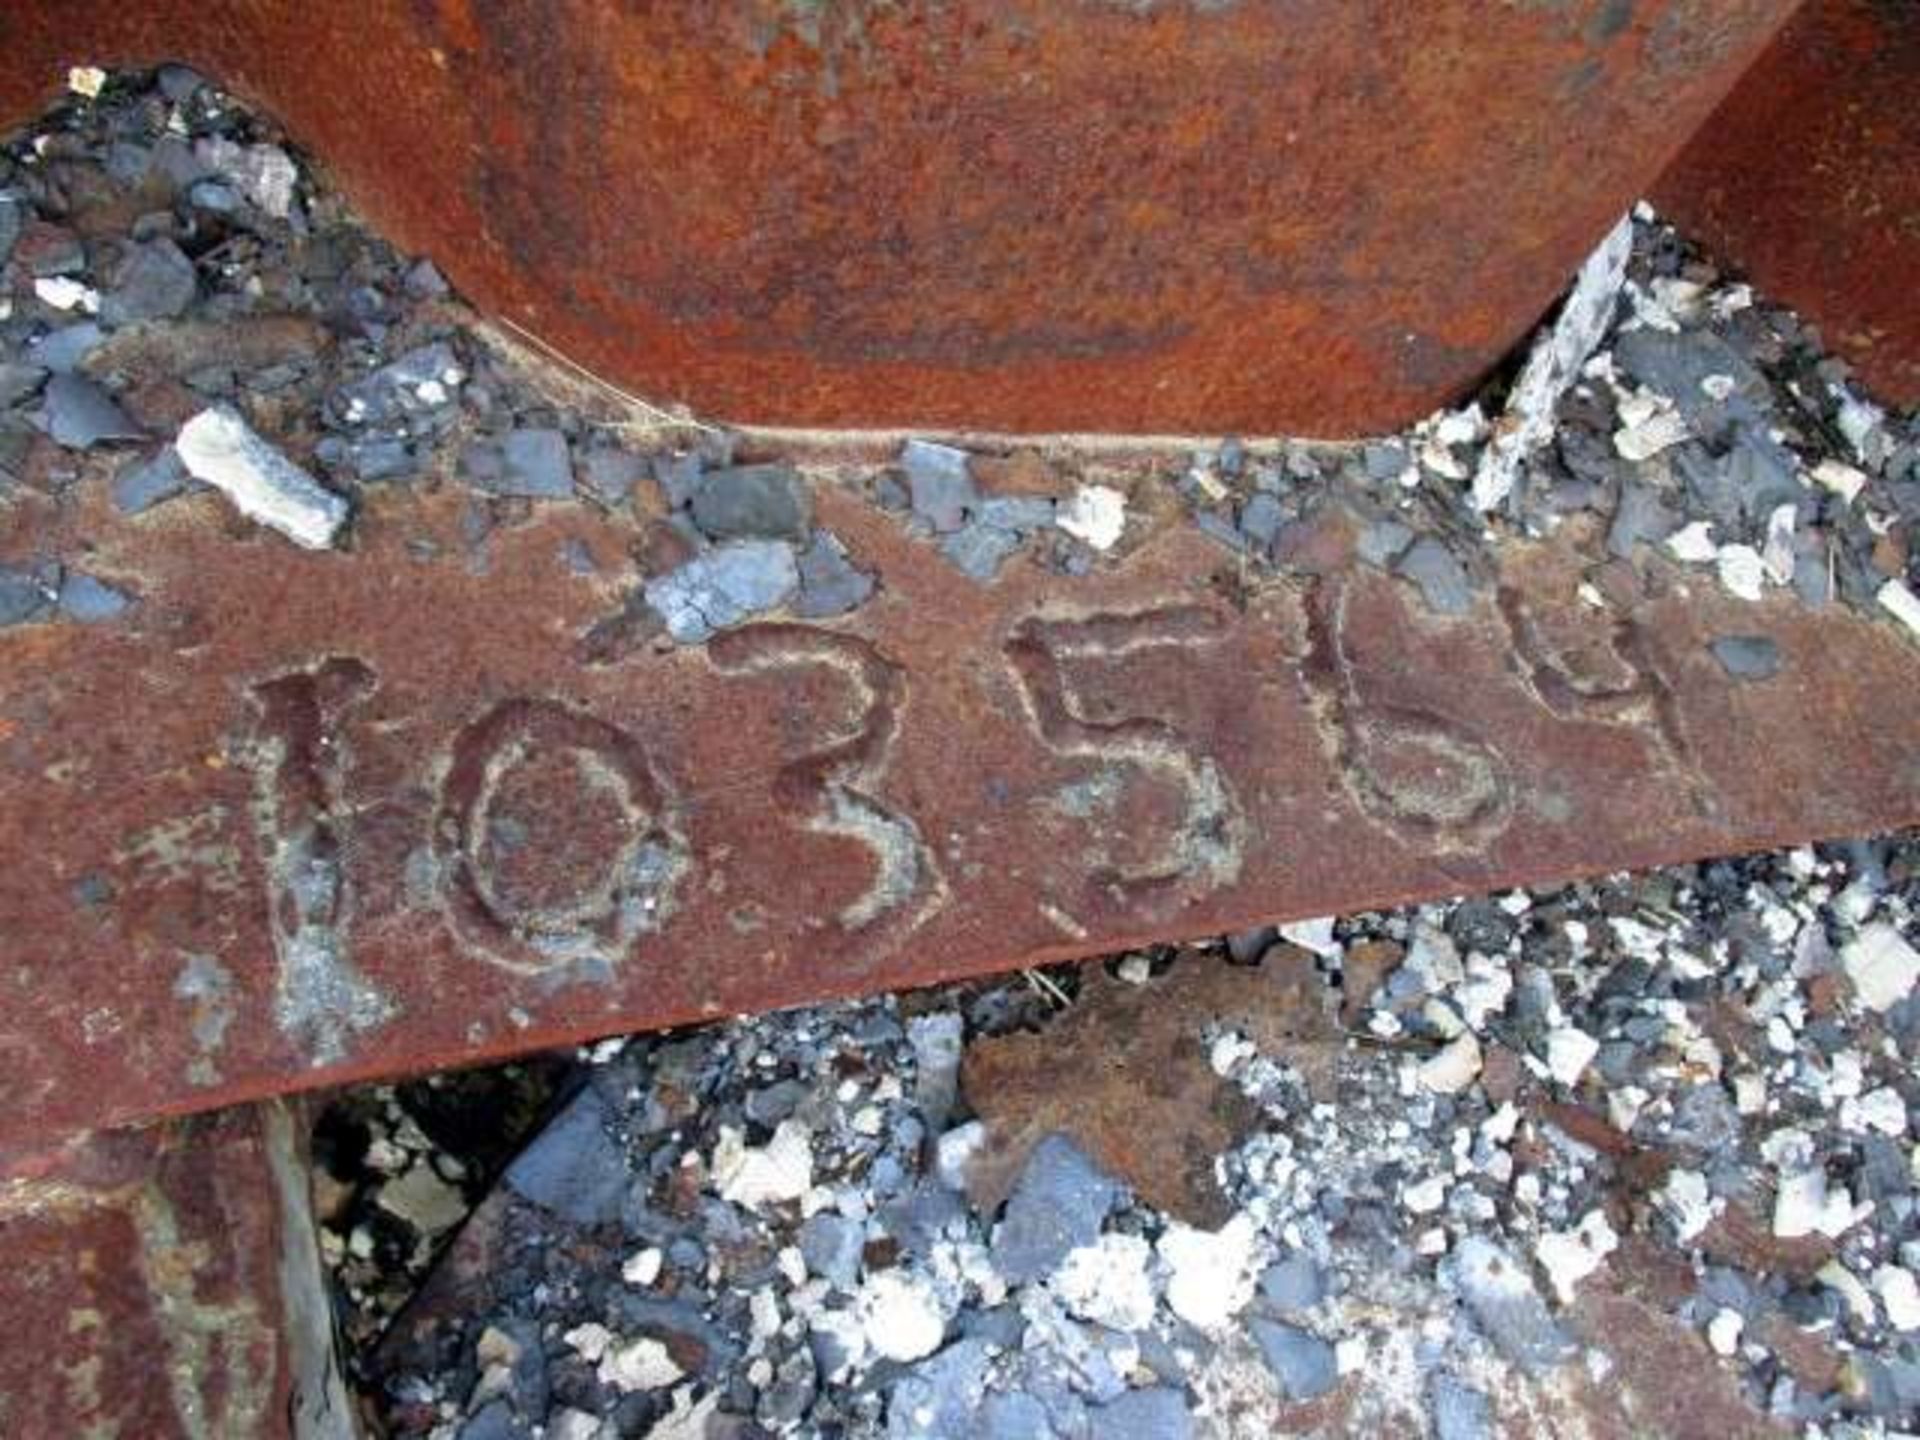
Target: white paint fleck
[[900, 1315]]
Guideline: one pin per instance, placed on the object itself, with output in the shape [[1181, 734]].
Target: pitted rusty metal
[[301, 817], [1007, 215], [1809, 176], [165, 1284]]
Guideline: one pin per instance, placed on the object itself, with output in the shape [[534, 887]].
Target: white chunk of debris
[[87, 81], [1901, 603], [1096, 514], [640, 1364], [1661, 430], [1804, 1205], [1778, 552], [1840, 478], [1899, 1296], [1882, 966], [1836, 1277], [66, 294], [1453, 1067], [900, 1315], [222, 450], [1109, 1282], [1882, 1110], [1742, 572], [779, 1171], [643, 1267], [1723, 1331], [1687, 1202], [590, 1341], [1315, 935], [1210, 1273], [1569, 1051], [1570, 1256], [1693, 544], [1423, 1197]]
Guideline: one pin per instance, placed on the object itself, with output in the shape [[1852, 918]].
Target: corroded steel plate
[[165, 1284], [1022, 215], [300, 818], [1809, 176]]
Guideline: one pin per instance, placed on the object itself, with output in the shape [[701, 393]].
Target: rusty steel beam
[[1809, 177], [1015, 215], [164, 1284], [305, 818]]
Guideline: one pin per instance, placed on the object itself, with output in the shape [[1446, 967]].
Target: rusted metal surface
[[301, 818], [163, 1284], [1809, 176], [996, 214]]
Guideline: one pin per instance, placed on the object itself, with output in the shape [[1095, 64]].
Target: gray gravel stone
[[939, 482], [1499, 1294], [1747, 657], [753, 502], [80, 415], [26, 594], [1293, 1284], [1441, 577], [1018, 513], [1641, 517], [1381, 541], [830, 584], [91, 601], [62, 351], [534, 465], [157, 283], [1301, 1361], [423, 381], [1261, 519], [573, 1167], [1158, 1412], [1675, 364], [831, 1245], [145, 483], [1459, 1411], [1058, 1203], [610, 475], [18, 382], [723, 587], [980, 550], [940, 1398], [13, 215]]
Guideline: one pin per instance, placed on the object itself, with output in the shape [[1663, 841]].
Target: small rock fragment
[[573, 1167], [157, 283], [91, 601], [1747, 657], [1569, 1051], [1109, 1283], [1095, 514], [1210, 1273], [1453, 1067], [81, 415], [980, 549], [143, 484], [1570, 1256], [220, 448], [26, 594], [265, 174], [1057, 1205], [1438, 573], [901, 1315], [1301, 1361], [753, 502], [723, 587], [1901, 603], [829, 582], [1293, 1284], [1506, 1307], [940, 483], [1158, 1412], [1882, 966], [775, 1173], [534, 465]]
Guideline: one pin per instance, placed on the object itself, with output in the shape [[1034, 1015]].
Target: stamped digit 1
[[832, 786], [1203, 854], [295, 756], [555, 843]]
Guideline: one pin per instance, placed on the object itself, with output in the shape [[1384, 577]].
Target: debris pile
[[1629, 1154]]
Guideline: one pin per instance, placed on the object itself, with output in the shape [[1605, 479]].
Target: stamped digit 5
[[1203, 853], [833, 786]]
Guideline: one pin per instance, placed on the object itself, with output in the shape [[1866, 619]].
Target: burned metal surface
[[998, 214], [1809, 176], [303, 817], [165, 1285]]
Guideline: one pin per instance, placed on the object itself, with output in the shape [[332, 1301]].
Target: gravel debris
[[220, 449]]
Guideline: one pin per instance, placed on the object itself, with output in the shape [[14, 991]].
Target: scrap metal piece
[[1008, 215], [304, 817], [166, 1283], [1809, 176]]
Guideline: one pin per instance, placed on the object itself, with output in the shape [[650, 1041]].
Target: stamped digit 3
[[833, 787]]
